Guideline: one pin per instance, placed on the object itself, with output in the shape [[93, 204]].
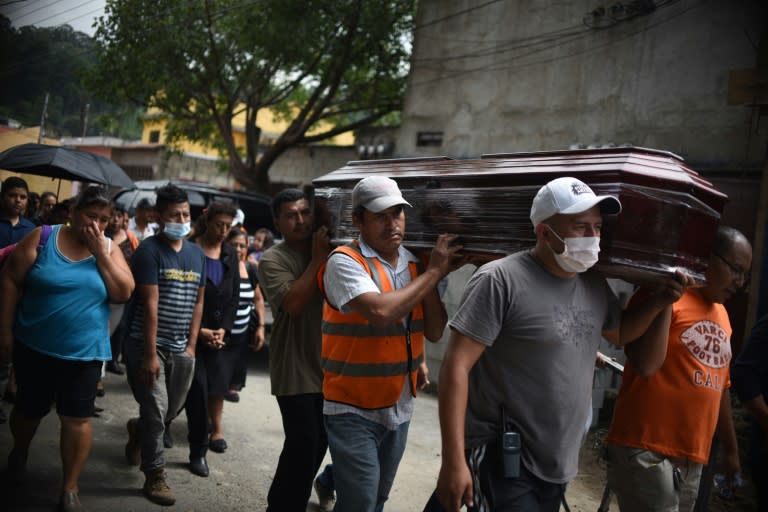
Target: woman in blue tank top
[[57, 330]]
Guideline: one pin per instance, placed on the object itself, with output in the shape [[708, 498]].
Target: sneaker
[[133, 446], [325, 496], [157, 490]]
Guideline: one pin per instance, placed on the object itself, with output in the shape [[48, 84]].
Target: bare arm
[[645, 325], [383, 309], [114, 270], [150, 366], [435, 316], [194, 325], [12, 278], [258, 335], [726, 432], [454, 485], [305, 287], [647, 353]]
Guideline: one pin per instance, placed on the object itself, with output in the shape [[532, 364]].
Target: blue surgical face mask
[[177, 230]]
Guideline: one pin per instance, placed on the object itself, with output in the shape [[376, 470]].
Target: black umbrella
[[64, 163]]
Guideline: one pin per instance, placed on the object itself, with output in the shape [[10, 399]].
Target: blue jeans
[[365, 459]]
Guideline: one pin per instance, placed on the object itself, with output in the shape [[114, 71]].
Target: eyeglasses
[[736, 272]]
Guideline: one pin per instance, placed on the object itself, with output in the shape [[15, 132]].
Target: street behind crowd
[[240, 478]]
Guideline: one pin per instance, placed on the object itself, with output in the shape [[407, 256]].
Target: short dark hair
[[220, 208], [234, 233], [118, 208], [725, 238], [288, 195], [61, 207], [144, 204], [13, 182], [92, 196], [168, 195], [48, 193]]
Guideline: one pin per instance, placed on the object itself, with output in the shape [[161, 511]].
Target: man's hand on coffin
[[321, 244], [671, 288], [445, 257]]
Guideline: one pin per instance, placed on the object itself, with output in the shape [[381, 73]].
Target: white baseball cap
[[568, 196], [377, 193]]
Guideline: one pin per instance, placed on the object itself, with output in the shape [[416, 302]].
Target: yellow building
[[271, 128]]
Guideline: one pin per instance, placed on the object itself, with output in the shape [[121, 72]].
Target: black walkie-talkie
[[510, 448]]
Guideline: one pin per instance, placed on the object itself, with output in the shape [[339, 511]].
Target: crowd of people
[[182, 304]]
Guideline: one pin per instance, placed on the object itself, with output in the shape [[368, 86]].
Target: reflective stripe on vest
[[363, 365]]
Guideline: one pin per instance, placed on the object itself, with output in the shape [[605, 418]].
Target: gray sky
[[79, 14]]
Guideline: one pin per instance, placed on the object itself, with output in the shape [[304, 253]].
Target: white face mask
[[580, 253]]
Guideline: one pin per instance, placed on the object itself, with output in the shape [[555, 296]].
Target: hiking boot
[[156, 489], [325, 496], [133, 446]]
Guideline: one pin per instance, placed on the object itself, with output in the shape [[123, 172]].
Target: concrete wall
[[296, 167], [529, 75], [300, 165]]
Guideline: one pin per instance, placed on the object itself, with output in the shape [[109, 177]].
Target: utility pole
[[84, 119], [43, 117]]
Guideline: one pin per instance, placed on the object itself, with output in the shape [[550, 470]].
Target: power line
[[505, 63], [458, 13], [507, 47], [565, 34], [24, 15], [10, 2], [57, 14]]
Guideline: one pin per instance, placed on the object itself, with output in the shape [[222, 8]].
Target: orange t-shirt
[[674, 411]]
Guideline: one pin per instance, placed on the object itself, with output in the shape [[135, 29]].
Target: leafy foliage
[[204, 62], [34, 61]]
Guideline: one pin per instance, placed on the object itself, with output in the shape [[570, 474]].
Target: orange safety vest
[[363, 365]]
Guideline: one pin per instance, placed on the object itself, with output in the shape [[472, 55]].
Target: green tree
[[203, 62], [35, 61]]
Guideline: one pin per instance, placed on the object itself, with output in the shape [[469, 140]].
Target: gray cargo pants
[[162, 402]]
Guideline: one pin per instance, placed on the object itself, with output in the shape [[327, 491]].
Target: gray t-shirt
[[295, 342], [542, 333]]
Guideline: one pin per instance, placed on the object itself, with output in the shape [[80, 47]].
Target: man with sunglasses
[[663, 424]]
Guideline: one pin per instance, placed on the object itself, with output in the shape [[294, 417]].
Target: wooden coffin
[[669, 216]]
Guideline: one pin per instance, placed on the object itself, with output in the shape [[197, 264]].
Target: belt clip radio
[[510, 448]]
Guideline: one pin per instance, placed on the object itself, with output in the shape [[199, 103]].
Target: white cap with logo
[[377, 193], [568, 196]]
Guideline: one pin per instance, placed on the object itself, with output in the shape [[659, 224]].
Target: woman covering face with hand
[[57, 331]]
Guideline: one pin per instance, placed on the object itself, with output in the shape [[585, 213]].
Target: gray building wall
[[298, 166], [530, 75]]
